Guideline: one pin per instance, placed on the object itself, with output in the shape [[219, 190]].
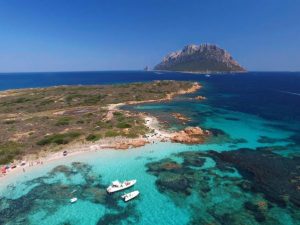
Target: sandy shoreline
[[78, 148], [157, 134]]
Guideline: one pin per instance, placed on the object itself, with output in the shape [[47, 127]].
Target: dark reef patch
[[128, 214], [276, 176], [296, 138], [219, 136], [192, 159], [272, 148], [220, 195], [231, 118], [172, 176], [256, 211], [268, 140], [178, 183]]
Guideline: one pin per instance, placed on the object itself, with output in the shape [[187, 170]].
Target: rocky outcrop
[[190, 135], [203, 58], [181, 117]]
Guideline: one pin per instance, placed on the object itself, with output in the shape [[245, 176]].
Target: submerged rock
[[192, 159], [174, 182], [181, 117], [268, 140], [256, 211], [171, 176], [67, 171], [164, 165]]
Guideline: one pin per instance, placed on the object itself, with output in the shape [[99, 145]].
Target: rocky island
[[205, 58]]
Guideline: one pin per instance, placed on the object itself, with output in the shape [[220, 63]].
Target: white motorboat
[[118, 186], [73, 200], [127, 197]]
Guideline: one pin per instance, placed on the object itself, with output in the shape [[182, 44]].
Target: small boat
[[118, 186], [127, 197], [207, 75], [73, 200]]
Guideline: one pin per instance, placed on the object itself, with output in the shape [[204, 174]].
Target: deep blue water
[[274, 95]]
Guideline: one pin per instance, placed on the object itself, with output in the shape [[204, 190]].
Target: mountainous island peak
[[202, 58]]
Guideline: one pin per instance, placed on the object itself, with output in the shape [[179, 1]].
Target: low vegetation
[[59, 139], [9, 151], [93, 137], [39, 119]]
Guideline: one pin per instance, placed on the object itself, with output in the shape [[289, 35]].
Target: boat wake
[[290, 93]]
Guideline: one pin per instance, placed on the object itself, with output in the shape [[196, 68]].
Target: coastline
[[156, 134], [203, 72]]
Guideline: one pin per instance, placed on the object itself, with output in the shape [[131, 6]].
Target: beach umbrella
[[3, 170]]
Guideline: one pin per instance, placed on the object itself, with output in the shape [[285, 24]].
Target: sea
[[239, 176]]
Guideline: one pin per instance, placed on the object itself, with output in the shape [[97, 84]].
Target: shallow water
[[175, 189]]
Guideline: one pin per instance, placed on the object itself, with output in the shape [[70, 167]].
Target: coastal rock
[[181, 117], [190, 135], [203, 58]]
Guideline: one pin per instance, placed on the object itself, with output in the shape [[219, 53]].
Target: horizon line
[[137, 70]]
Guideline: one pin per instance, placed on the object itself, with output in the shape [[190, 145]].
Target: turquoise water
[[179, 184], [152, 206]]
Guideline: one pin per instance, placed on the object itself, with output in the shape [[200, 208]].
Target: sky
[[85, 35]]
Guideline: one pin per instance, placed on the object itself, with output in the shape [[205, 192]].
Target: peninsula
[[205, 58], [36, 122]]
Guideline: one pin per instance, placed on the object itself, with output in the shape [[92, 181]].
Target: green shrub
[[123, 125], [70, 97], [118, 114], [106, 124], [111, 133], [9, 151], [93, 99], [22, 100], [59, 139], [63, 121], [9, 121], [93, 137]]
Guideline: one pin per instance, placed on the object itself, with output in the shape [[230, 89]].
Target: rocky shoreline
[[190, 135]]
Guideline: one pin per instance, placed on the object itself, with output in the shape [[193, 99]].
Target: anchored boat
[[127, 197], [73, 200], [118, 186]]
